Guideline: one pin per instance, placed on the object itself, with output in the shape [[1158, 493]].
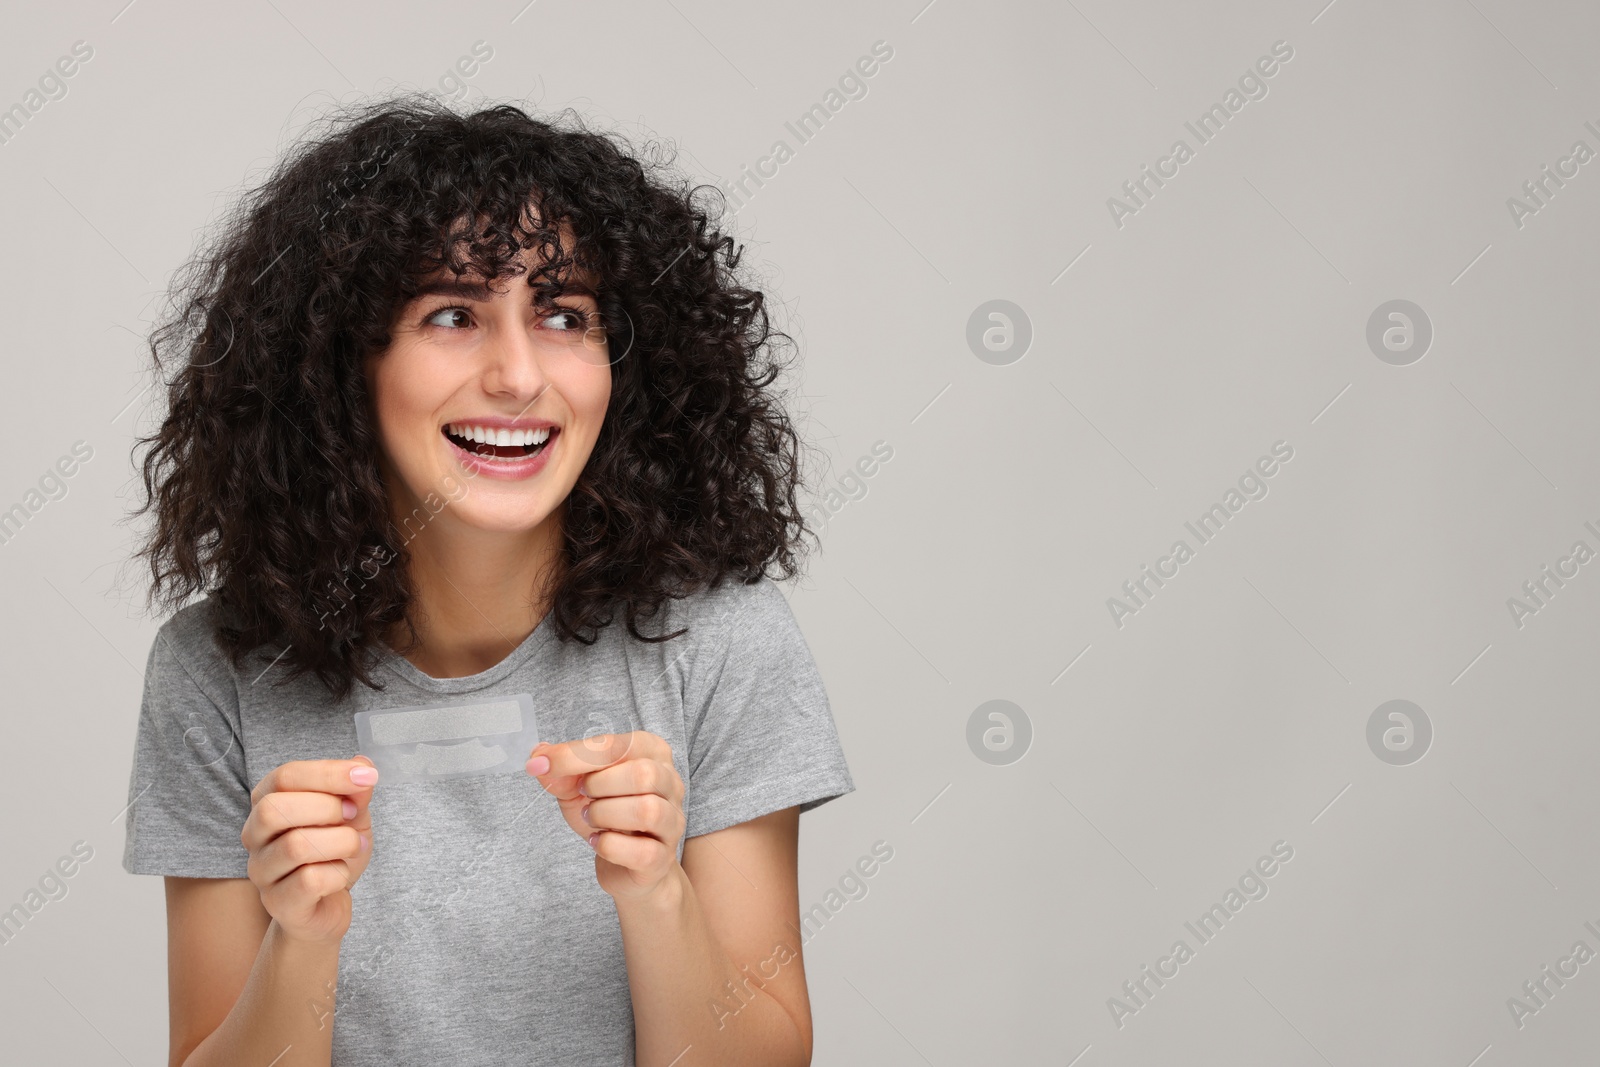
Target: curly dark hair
[[264, 474]]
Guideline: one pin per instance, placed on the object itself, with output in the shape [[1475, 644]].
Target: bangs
[[434, 194], [484, 240]]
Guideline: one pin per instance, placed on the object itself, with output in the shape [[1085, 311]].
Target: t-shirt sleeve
[[188, 796], [761, 730]]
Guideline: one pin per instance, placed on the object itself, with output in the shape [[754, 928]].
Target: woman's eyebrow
[[453, 287], [480, 291], [579, 287]]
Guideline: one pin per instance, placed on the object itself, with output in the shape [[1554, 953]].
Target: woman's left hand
[[622, 793]]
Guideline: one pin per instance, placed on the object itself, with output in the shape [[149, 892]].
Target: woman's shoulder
[[732, 606], [185, 647], [748, 626]]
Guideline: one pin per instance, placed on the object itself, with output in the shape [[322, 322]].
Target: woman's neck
[[478, 594]]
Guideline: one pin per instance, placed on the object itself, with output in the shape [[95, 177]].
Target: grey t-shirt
[[479, 934]]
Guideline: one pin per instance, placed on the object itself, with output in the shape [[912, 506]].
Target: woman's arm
[[714, 963], [712, 944], [308, 835], [239, 990]]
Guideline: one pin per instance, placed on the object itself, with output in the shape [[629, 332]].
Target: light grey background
[[1167, 355]]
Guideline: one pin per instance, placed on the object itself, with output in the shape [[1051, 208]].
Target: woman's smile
[[501, 448]]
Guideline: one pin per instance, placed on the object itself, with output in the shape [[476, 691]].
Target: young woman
[[471, 412]]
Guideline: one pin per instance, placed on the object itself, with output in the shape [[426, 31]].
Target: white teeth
[[504, 438]]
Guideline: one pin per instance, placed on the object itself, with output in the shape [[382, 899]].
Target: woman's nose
[[515, 364]]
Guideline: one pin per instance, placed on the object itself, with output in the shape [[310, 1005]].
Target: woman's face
[[487, 406]]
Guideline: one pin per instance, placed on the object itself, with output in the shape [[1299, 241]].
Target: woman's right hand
[[309, 836]]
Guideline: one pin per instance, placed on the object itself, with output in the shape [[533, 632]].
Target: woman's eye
[[460, 313], [575, 320]]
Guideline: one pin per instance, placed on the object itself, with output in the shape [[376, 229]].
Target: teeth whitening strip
[[454, 740]]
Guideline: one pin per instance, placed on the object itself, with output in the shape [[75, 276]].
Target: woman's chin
[[503, 520]]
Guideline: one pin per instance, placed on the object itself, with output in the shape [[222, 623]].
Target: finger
[[317, 776], [362, 819], [634, 776], [301, 845], [303, 887], [569, 760], [627, 850], [278, 812], [648, 813]]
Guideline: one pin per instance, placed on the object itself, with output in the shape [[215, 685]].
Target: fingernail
[[363, 775], [592, 838], [586, 813], [583, 787], [366, 842], [348, 806], [539, 765]]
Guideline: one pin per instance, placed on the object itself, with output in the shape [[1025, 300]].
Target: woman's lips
[[503, 461]]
